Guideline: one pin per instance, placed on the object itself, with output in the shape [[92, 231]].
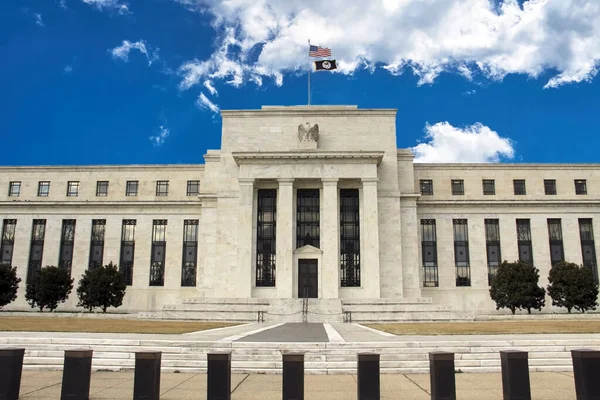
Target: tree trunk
[[512, 309], [569, 309], [529, 311], [104, 309]]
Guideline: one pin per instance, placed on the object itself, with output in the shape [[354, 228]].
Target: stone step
[[228, 301], [393, 307], [418, 300], [397, 316]]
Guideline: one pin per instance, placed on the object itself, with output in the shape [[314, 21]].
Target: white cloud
[[63, 4], [38, 19], [469, 37], [123, 50], [204, 102], [68, 69], [209, 85], [160, 137], [472, 144], [111, 5]]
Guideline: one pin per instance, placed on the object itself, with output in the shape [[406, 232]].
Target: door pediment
[[308, 250]]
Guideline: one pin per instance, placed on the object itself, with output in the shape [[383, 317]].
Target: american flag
[[318, 51]]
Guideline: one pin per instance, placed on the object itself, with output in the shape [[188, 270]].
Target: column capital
[[329, 181], [285, 181], [246, 181], [369, 181]]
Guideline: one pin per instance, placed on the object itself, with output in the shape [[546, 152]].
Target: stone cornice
[[315, 111], [84, 203], [510, 203], [109, 168], [502, 166], [273, 157]]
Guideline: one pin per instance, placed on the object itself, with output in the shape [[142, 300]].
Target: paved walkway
[[119, 385], [291, 332]]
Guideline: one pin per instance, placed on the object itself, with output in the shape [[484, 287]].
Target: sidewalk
[[119, 385]]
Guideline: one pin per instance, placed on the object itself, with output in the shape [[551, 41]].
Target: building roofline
[[22, 168], [333, 110], [462, 166]]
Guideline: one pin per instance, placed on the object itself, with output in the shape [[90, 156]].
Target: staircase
[[400, 310], [213, 309]]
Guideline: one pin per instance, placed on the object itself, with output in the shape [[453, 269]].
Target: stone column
[[245, 237], [370, 251], [330, 240], [284, 239]]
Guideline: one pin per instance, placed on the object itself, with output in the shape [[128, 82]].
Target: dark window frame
[[131, 188], [519, 187], [524, 242], [426, 187], [458, 187], [7, 241], [46, 185], [588, 246], [460, 231], [308, 217], [127, 243], [350, 274], [67, 244], [550, 187], [97, 237], [158, 252], [190, 188], [555, 239], [492, 245], [488, 186], [36, 248], [580, 186], [101, 188], [72, 188], [190, 248], [430, 272], [266, 238], [162, 188], [14, 188]]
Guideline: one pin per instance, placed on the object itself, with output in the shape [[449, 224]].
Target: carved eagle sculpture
[[308, 133]]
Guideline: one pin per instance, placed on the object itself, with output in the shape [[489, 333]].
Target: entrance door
[[307, 278]]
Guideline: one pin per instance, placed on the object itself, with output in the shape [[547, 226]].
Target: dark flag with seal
[[325, 65]]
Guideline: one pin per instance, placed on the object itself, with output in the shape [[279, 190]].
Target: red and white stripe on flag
[[318, 51]]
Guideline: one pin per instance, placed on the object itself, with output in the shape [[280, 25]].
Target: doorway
[[308, 278]]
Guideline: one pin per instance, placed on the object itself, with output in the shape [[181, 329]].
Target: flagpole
[[309, 68]]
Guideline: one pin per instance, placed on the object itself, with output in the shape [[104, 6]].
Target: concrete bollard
[[515, 375], [77, 372], [441, 375], [146, 380], [293, 376], [586, 369], [368, 382], [11, 367], [218, 376]]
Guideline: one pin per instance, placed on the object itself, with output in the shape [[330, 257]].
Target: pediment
[[308, 249]]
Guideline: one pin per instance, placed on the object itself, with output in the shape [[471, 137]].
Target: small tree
[[101, 287], [9, 284], [516, 287], [48, 287], [572, 286]]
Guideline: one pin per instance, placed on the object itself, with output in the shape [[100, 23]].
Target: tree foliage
[[101, 287], [572, 286], [516, 287], [48, 287], [9, 284]]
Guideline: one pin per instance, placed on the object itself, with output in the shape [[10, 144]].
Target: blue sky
[[141, 81]]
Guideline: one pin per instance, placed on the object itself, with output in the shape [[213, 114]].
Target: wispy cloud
[[38, 19], [160, 137], [476, 144], [472, 38], [122, 51], [204, 102], [63, 4], [68, 69], [209, 85], [109, 5]]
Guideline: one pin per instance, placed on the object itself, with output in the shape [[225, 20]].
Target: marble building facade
[[299, 201]]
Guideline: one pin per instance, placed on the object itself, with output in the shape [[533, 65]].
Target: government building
[[300, 202]]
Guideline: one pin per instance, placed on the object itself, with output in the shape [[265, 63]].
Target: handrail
[[305, 304]]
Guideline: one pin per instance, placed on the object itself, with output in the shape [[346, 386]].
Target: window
[[97, 243], [67, 239], [588, 248], [162, 188], [426, 187], [193, 188], [307, 218], [127, 250], [556, 243], [580, 186], [190, 252], [157, 260], [458, 187], [14, 189], [36, 249], [72, 188], [102, 188], [524, 241], [43, 188], [461, 252], [350, 238], [489, 186], [550, 186], [8, 241], [492, 244], [265, 237], [429, 253], [519, 186], [132, 188]]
